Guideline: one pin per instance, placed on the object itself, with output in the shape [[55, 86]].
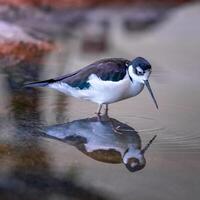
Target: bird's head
[[134, 159], [139, 70]]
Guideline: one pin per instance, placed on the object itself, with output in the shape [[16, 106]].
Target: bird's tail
[[40, 83]]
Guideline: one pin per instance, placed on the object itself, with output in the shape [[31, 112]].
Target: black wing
[[112, 69]]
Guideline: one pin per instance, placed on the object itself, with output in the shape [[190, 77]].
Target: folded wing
[[113, 69]]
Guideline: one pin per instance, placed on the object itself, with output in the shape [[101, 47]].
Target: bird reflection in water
[[99, 140]]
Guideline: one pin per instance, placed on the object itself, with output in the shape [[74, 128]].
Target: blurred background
[[42, 39]]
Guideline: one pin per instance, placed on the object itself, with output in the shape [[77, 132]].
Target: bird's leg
[[98, 113], [105, 116], [106, 110]]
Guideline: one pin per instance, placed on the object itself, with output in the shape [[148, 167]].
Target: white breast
[[110, 91]]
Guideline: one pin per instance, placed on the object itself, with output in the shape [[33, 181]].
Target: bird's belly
[[102, 92], [109, 92]]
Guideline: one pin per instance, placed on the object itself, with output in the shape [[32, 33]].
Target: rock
[[17, 45]]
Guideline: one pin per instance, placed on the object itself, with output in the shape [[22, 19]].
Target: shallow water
[[34, 165]]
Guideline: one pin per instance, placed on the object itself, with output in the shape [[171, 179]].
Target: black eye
[[140, 73]]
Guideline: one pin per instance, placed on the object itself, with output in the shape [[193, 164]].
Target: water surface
[[33, 165]]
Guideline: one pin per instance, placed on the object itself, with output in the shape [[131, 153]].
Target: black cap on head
[[142, 63]]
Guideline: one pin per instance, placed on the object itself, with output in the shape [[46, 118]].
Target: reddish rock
[[20, 50], [15, 43]]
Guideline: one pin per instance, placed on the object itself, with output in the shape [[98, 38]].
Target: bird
[[98, 140], [104, 82]]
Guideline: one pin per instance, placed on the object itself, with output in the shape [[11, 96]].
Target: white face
[[132, 153], [133, 159], [140, 75]]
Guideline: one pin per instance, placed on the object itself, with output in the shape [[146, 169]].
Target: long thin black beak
[[146, 82], [148, 144]]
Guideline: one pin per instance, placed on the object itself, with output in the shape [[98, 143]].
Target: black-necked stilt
[[99, 141], [105, 81]]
